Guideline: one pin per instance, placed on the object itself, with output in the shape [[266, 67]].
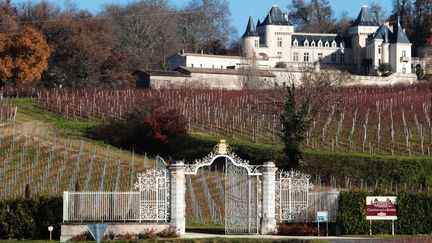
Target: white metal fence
[[155, 195], [292, 194], [101, 206], [151, 203]]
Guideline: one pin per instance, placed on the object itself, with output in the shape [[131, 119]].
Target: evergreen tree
[[295, 123]]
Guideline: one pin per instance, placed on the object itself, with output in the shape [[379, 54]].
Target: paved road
[[331, 238]]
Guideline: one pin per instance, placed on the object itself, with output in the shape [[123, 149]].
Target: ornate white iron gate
[[292, 195], [242, 190], [242, 200], [154, 195]]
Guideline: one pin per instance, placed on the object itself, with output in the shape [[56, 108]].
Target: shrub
[[148, 127], [147, 234], [84, 236], [169, 232], [30, 217], [414, 213], [280, 65], [297, 229], [385, 69]]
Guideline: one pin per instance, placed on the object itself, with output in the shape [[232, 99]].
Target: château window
[[295, 43], [295, 57], [313, 44], [306, 57], [342, 58], [403, 69], [256, 43], [334, 45], [279, 54], [333, 57], [403, 53], [320, 43], [306, 43], [279, 41], [379, 49], [320, 57], [327, 44]]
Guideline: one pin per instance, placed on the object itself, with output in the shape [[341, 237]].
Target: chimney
[[181, 51]]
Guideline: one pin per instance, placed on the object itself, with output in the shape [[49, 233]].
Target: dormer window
[[306, 43], [326, 44], [319, 43], [334, 45], [295, 43], [342, 45], [313, 44]]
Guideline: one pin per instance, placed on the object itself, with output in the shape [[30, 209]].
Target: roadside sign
[[381, 208], [322, 216]]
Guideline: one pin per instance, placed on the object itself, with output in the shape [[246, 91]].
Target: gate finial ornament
[[222, 148]]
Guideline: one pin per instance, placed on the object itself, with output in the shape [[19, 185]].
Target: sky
[[242, 9]]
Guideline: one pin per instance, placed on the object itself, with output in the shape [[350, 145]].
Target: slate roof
[[250, 29], [365, 18], [382, 33], [161, 73], [190, 70], [275, 17], [388, 36], [338, 38], [399, 35]]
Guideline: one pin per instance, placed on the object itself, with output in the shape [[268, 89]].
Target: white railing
[[292, 194], [101, 206]]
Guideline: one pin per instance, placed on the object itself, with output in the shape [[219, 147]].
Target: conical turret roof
[[365, 18], [275, 17], [250, 29]]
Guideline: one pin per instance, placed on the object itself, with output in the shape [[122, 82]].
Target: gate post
[[177, 203], [268, 225]]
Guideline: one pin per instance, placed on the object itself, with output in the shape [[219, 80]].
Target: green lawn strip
[[386, 236], [27, 111], [185, 240]]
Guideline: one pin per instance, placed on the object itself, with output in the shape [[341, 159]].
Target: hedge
[[414, 213], [29, 218], [386, 170]]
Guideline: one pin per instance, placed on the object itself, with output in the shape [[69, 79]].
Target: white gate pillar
[[268, 225], [177, 204]]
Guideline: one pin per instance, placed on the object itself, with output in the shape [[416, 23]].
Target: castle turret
[[250, 39], [362, 27]]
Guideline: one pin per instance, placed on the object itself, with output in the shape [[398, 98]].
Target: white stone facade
[[274, 43]]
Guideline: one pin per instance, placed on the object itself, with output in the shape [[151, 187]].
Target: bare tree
[[205, 21], [377, 12], [146, 31], [315, 16], [317, 93]]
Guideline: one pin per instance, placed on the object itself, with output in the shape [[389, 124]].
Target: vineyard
[[392, 120], [51, 165], [7, 112]]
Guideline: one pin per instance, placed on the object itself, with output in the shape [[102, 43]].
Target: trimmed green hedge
[[29, 218], [387, 170], [414, 213]]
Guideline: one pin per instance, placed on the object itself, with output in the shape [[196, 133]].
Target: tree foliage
[[314, 16], [302, 105], [23, 56], [149, 127]]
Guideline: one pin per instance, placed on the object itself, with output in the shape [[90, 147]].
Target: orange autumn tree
[[23, 56]]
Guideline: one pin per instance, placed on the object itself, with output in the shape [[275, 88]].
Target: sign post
[[381, 208], [50, 229], [322, 216]]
